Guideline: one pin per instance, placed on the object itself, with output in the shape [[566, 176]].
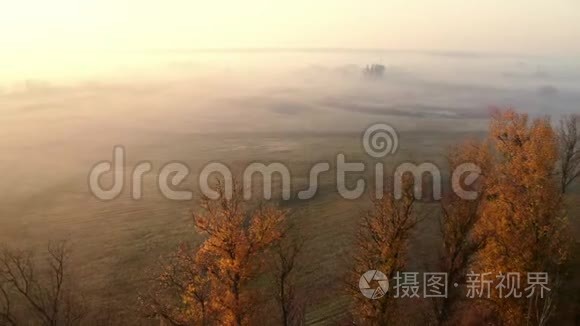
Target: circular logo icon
[[380, 140], [366, 281]]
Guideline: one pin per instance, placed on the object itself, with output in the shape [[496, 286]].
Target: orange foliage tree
[[215, 283], [181, 293], [522, 219], [382, 244], [457, 225], [237, 239]]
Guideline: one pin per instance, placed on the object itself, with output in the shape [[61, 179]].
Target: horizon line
[[434, 52]]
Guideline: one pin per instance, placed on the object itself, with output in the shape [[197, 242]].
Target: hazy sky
[[515, 26]]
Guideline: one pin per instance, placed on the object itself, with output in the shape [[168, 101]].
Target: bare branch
[[569, 139]]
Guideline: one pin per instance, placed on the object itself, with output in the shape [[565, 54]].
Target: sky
[[538, 27], [66, 39]]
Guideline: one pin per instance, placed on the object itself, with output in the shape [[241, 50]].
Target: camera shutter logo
[[367, 279]]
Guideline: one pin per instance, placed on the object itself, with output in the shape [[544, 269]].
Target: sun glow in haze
[[32, 31]]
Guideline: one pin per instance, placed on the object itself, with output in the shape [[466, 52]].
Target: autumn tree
[[569, 139], [220, 281], [237, 238], [457, 223], [284, 266], [41, 294], [181, 293], [382, 244], [522, 217]]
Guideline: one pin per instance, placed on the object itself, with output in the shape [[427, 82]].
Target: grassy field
[[51, 138], [116, 242]]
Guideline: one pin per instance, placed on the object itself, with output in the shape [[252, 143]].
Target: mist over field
[[295, 107], [79, 118]]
